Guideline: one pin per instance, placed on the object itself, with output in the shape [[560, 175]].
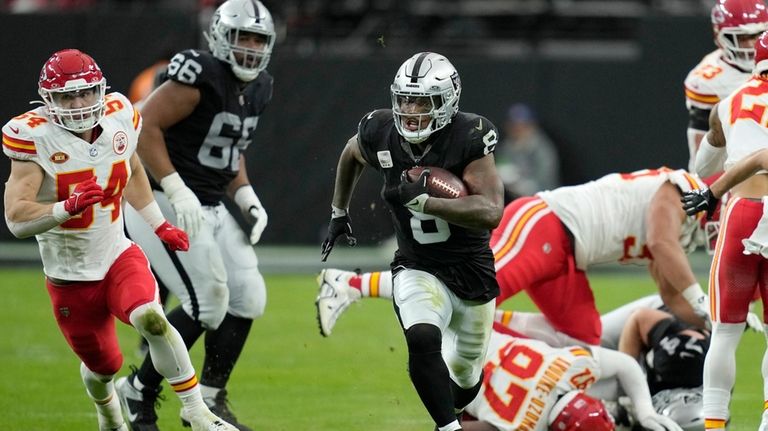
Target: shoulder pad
[[120, 108], [685, 181], [18, 136], [372, 122], [483, 136], [194, 67]]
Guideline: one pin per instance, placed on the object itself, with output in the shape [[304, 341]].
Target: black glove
[[413, 194], [337, 226], [698, 200]]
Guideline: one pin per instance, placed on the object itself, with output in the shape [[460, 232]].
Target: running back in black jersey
[[205, 147], [461, 257]]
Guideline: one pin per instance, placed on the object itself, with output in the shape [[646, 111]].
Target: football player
[[529, 385], [738, 267], [72, 162], [444, 281], [736, 25], [545, 243], [198, 123]]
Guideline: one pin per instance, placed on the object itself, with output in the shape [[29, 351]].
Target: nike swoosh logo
[[371, 115], [480, 125], [338, 277], [131, 416], [14, 130]]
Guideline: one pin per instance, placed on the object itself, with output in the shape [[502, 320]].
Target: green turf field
[[289, 377]]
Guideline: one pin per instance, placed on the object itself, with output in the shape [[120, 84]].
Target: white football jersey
[[742, 116], [84, 247], [523, 379], [712, 80], [607, 217]]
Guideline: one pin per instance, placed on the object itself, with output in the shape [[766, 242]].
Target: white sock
[[376, 284], [169, 354], [98, 386], [720, 372]]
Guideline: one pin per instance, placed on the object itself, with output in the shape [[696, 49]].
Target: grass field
[[289, 377]]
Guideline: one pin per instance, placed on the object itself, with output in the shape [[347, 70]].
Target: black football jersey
[[205, 147], [459, 256]]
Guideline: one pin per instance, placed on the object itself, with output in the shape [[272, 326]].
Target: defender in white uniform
[[72, 162], [736, 25]]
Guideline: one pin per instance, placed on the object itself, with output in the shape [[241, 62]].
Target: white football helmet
[[231, 18], [431, 75], [682, 405]]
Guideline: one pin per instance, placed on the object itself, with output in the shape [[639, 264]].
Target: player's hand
[[657, 422], [695, 201], [253, 211], [258, 217], [702, 310], [84, 195], [413, 194], [189, 211], [175, 238], [340, 225]]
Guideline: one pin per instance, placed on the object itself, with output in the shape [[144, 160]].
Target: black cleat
[[138, 405]]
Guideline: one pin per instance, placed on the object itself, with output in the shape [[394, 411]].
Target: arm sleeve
[[709, 159]]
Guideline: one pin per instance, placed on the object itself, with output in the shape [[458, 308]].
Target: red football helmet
[[71, 72], [576, 411], [761, 53], [734, 18]]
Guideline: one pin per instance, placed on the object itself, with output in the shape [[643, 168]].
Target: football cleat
[[219, 406], [203, 419], [138, 405], [334, 297]]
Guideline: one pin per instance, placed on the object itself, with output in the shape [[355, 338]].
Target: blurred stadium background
[[605, 76]]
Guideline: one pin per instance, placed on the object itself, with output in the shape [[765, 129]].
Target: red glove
[[85, 194], [175, 238]]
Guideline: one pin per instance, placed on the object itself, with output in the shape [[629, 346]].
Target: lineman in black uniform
[[444, 278], [196, 126]]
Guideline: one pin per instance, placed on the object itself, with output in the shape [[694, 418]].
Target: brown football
[[441, 183]]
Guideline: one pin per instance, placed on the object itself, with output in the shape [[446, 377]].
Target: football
[[441, 183]]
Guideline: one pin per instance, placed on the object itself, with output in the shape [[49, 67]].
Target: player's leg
[[84, 319], [732, 281], [529, 246], [465, 343], [339, 289], [132, 298], [423, 307], [247, 300], [535, 326], [197, 278], [763, 291]]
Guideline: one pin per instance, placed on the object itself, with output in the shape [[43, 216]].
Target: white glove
[[657, 422], [757, 243], [250, 205], [699, 302], [754, 323], [189, 211]]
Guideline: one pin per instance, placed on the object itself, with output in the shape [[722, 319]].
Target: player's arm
[[670, 266], [739, 172], [698, 124], [627, 371], [25, 216], [348, 171], [166, 106], [483, 208], [634, 336], [139, 194], [711, 154]]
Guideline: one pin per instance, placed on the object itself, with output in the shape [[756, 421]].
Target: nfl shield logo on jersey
[[120, 142], [385, 159]]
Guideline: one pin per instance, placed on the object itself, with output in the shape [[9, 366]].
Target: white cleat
[[204, 420], [334, 297], [110, 416]]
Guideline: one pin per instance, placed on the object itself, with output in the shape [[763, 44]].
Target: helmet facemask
[[728, 39], [79, 119], [234, 21]]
